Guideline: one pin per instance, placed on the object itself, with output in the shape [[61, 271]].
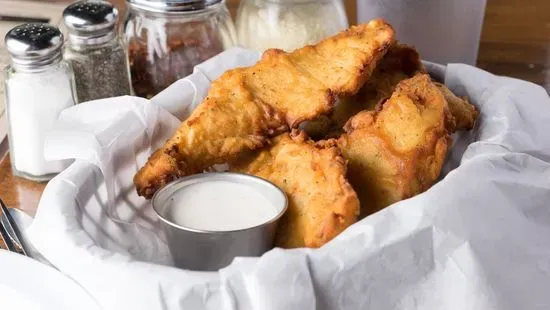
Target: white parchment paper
[[478, 239]]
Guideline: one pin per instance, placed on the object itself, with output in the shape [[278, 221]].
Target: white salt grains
[[35, 100]]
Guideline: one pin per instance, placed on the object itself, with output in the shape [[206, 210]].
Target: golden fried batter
[[400, 63], [464, 113], [321, 201], [397, 151], [246, 106]]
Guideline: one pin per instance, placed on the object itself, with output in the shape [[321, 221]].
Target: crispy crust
[[397, 150], [322, 203], [400, 62], [464, 113], [247, 106]]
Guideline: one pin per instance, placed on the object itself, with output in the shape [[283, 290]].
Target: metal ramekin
[[211, 250]]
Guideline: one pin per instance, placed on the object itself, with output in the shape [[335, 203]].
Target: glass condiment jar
[[167, 38], [288, 24], [95, 51], [39, 85]]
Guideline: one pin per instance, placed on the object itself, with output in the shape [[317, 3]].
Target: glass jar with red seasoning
[[167, 38]]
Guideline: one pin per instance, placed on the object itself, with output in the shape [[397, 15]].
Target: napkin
[[478, 239]]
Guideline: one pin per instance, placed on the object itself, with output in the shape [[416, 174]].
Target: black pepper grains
[[95, 52], [100, 71]]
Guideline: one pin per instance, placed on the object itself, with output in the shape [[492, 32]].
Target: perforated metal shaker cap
[[34, 44], [172, 6], [90, 17]]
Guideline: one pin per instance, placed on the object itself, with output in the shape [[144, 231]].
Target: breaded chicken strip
[[400, 63], [321, 201], [464, 113], [397, 151], [247, 106]]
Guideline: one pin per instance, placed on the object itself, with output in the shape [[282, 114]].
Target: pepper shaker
[[95, 51], [39, 85]]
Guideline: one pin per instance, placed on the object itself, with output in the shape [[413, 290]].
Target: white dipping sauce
[[219, 206]]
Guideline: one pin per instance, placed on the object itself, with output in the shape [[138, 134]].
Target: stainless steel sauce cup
[[211, 250]]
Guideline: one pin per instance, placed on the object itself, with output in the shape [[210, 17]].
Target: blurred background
[[515, 35]]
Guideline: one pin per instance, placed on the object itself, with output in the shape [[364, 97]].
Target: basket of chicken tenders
[[343, 175]]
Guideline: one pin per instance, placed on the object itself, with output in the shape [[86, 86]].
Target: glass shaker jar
[[39, 85], [167, 38], [288, 24], [95, 52]]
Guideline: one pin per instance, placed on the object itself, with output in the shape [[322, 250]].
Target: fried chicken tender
[[400, 63], [247, 106], [464, 113], [321, 201], [397, 151]]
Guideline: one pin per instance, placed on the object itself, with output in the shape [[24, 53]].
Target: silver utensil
[[7, 239], [8, 225], [11, 222]]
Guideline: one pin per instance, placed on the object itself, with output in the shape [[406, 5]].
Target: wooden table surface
[[515, 42]]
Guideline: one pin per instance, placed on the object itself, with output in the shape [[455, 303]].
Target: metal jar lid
[[90, 20], [34, 44], [172, 5]]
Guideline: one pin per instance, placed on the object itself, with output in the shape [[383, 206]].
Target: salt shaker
[[39, 85], [95, 51]]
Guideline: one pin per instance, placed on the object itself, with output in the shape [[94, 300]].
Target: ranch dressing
[[219, 206]]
